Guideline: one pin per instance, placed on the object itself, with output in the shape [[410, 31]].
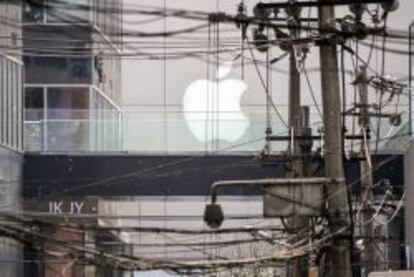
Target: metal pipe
[[270, 182], [299, 137], [319, 4], [410, 78]]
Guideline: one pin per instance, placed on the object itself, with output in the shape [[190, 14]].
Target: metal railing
[[174, 132]]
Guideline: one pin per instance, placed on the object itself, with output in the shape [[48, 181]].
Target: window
[[57, 70], [68, 97], [33, 11], [68, 11], [56, 11], [105, 124], [34, 103], [109, 22], [67, 118]]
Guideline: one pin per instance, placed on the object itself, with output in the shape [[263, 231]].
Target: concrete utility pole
[[299, 126], [294, 115], [338, 206], [369, 254], [295, 150]]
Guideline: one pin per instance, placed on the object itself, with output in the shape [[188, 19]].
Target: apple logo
[[212, 107]]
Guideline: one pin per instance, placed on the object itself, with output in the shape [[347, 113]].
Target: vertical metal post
[[369, 254], [45, 122], [294, 110], [295, 150], [410, 79], [337, 197]]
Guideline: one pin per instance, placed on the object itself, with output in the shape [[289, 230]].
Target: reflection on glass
[[33, 11], [57, 70], [67, 102], [67, 126], [34, 103], [56, 11], [68, 11], [70, 118], [68, 135], [105, 124]]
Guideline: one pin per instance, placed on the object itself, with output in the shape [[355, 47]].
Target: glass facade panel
[[20, 116], [105, 124], [13, 107], [72, 100], [9, 92], [34, 103], [109, 23], [5, 104], [56, 11], [34, 118], [34, 11], [1, 100], [75, 118], [68, 11], [57, 70], [67, 118]]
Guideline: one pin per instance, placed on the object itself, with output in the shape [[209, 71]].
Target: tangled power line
[[182, 47]]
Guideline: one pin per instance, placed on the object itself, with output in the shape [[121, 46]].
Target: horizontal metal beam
[[319, 4], [271, 182], [287, 138], [384, 115]]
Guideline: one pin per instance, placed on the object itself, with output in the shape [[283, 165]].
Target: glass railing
[[175, 132], [397, 140], [151, 131], [72, 130], [179, 132]]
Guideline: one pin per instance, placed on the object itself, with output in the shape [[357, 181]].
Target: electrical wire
[[268, 95], [298, 251], [257, 68], [311, 91], [381, 91]]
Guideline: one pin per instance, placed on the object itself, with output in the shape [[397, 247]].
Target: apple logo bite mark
[[212, 108]]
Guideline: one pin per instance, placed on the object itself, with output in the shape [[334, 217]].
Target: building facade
[[72, 90], [11, 123]]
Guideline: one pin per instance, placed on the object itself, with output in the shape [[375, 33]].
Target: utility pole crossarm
[[270, 183]]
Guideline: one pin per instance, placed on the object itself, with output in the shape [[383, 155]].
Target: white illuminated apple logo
[[212, 107]]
